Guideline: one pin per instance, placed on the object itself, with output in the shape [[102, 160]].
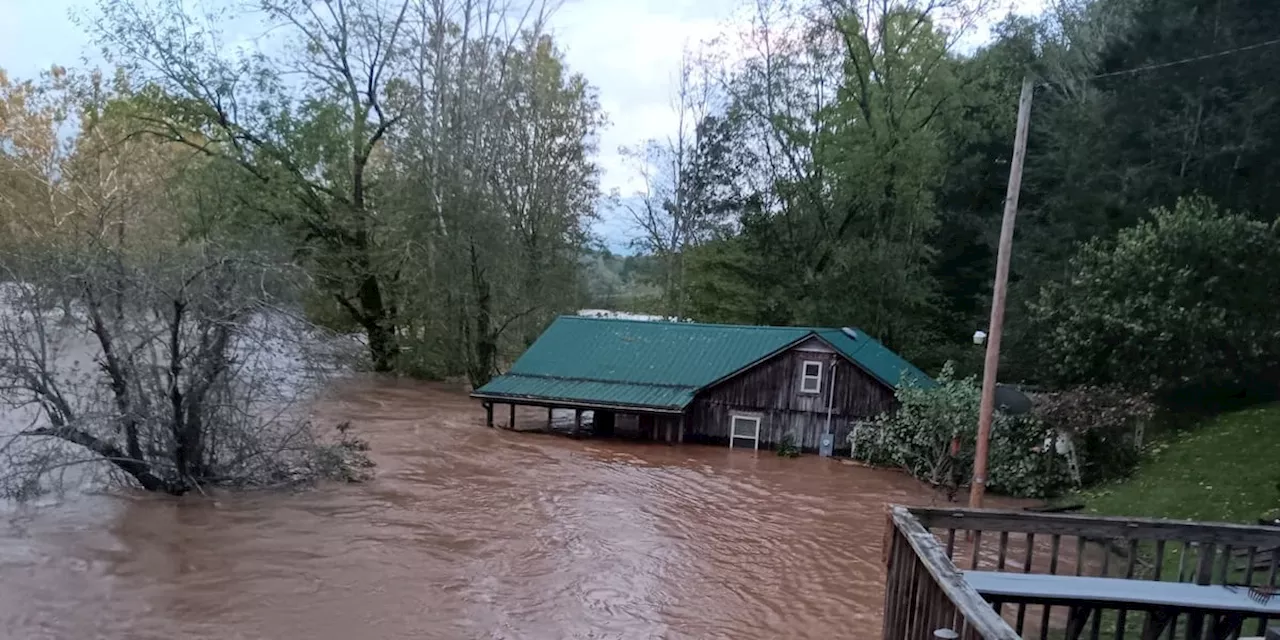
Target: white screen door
[[744, 428]]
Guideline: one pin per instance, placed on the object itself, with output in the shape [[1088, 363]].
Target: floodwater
[[469, 532]]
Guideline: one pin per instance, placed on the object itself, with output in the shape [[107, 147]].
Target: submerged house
[[743, 385]]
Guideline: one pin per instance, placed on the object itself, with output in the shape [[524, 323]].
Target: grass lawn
[[1225, 469]]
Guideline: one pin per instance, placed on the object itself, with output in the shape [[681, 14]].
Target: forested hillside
[[432, 169], [853, 170]]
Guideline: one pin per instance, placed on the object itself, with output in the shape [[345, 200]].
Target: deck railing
[[924, 592], [1026, 542]]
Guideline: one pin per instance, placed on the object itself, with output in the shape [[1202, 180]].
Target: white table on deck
[[1228, 606]]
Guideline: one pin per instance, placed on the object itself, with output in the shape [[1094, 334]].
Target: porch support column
[[488, 414], [577, 422], [680, 436], [511, 424]]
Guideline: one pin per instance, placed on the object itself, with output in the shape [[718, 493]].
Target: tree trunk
[[485, 352], [378, 324]]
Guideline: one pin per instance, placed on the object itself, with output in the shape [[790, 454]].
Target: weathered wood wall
[[771, 391]]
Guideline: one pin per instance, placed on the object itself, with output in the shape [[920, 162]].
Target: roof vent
[[850, 332]]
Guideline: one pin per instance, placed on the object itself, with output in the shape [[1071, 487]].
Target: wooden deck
[[929, 551]]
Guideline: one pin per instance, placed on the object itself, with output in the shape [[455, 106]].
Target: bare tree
[[671, 211], [190, 377]]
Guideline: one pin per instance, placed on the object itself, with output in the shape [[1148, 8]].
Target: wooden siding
[[771, 390]]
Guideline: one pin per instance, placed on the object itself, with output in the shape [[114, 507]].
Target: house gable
[[774, 384]]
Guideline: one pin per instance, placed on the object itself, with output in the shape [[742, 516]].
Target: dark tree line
[[872, 155]]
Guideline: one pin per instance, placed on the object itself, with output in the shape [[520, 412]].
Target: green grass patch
[[1224, 469]]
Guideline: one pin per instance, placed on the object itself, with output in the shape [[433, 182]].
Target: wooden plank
[[1026, 568], [1250, 560], [1099, 527], [1204, 568], [979, 617], [1203, 576], [1224, 571], [1055, 544], [1123, 614], [1159, 564], [977, 549], [1080, 544], [1133, 558], [1182, 561], [1113, 593], [1002, 550], [1271, 580], [893, 601], [913, 597], [1096, 626]]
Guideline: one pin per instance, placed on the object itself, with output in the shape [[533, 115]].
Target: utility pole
[[992, 364]]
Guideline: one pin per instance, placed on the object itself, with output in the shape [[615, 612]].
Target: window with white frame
[[811, 377], [744, 428]]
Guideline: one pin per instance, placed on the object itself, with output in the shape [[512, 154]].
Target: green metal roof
[[661, 365], [875, 358]]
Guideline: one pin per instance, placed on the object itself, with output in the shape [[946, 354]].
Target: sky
[[628, 49]]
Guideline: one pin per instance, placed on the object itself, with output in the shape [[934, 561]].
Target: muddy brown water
[[470, 532]]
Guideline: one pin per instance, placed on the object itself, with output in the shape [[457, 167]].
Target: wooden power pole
[[992, 364]]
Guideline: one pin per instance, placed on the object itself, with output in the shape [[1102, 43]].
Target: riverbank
[[1223, 469]]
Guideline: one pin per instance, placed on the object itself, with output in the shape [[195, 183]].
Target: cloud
[[630, 51], [35, 35]]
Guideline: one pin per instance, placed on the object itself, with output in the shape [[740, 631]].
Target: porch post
[[577, 421], [550, 410], [488, 414], [511, 424], [680, 436]]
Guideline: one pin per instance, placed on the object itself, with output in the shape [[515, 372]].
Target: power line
[[1175, 63]]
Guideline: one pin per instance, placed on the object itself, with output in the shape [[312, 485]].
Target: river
[[469, 532]]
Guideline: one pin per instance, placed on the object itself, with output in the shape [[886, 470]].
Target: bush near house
[[1104, 424], [932, 436]]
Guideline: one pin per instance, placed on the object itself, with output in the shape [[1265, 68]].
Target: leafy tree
[[1183, 300], [430, 163], [309, 140], [841, 112]]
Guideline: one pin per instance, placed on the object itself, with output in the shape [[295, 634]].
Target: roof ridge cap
[[723, 325]]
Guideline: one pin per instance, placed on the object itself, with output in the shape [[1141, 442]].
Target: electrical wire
[[1175, 63]]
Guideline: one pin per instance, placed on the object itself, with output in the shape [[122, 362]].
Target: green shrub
[[1023, 460], [918, 438], [787, 447]]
